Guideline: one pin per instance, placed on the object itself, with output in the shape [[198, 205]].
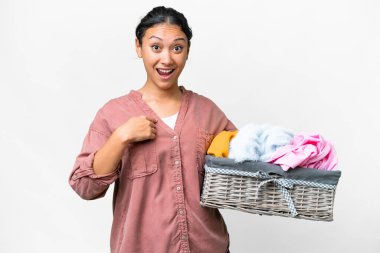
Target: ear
[[138, 48]]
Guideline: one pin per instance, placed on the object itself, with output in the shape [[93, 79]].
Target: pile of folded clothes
[[276, 145]]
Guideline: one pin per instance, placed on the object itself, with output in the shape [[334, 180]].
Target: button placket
[[179, 192], [177, 178]]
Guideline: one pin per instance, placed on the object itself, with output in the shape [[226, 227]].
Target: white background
[[311, 66]]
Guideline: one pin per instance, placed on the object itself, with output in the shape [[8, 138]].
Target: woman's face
[[164, 51]]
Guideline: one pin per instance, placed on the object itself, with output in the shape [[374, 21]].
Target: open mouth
[[165, 73]]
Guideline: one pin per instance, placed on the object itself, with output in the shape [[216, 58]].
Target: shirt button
[[184, 237], [180, 211], [178, 188], [175, 137], [176, 162]]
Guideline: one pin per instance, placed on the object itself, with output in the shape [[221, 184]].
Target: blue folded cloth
[[258, 142]]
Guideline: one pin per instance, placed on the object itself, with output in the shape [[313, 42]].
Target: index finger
[[151, 119]]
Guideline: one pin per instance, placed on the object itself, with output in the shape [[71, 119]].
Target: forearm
[[109, 156]]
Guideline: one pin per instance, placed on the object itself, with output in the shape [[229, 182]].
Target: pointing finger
[[151, 119]]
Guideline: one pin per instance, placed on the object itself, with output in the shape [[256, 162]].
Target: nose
[[166, 57]]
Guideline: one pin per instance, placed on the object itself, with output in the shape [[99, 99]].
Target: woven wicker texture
[[241, 193]]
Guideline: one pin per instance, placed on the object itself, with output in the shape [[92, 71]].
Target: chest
[[164, 109]]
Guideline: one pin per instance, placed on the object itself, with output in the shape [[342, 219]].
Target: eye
[[178, 49], [155, 47]]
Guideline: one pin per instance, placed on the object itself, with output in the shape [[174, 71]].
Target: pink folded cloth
[[308, 151]]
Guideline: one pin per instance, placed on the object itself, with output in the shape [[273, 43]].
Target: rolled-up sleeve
[[83, 179]]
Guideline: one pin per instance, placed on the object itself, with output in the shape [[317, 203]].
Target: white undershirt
[[170, 121]]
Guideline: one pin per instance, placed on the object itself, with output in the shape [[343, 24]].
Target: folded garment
[[272, 139], [309, 151], [258, 142], [220, 144]]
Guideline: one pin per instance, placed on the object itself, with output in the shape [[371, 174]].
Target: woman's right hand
[[136, 129]]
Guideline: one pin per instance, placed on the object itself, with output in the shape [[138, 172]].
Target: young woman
[[152, 143]]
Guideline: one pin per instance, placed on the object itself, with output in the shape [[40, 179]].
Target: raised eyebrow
[[179, 39], [155, 37]]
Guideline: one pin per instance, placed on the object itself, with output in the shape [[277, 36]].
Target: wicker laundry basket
[[263, 188]]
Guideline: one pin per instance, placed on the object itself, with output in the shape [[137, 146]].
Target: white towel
[[258, 142]]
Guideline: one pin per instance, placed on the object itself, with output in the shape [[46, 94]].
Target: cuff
[[86, 170]]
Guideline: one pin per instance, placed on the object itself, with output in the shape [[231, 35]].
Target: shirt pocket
[[203, 142], [142, 159]]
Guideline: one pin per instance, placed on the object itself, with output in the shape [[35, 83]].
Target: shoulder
[[112, 113], [204, 101], [116, 103], [118, 106], [207, 106]]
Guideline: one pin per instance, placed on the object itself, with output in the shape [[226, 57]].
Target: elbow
[[87, 189]]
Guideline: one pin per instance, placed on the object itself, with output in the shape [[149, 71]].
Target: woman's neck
[[150, 92], [163, 102]]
